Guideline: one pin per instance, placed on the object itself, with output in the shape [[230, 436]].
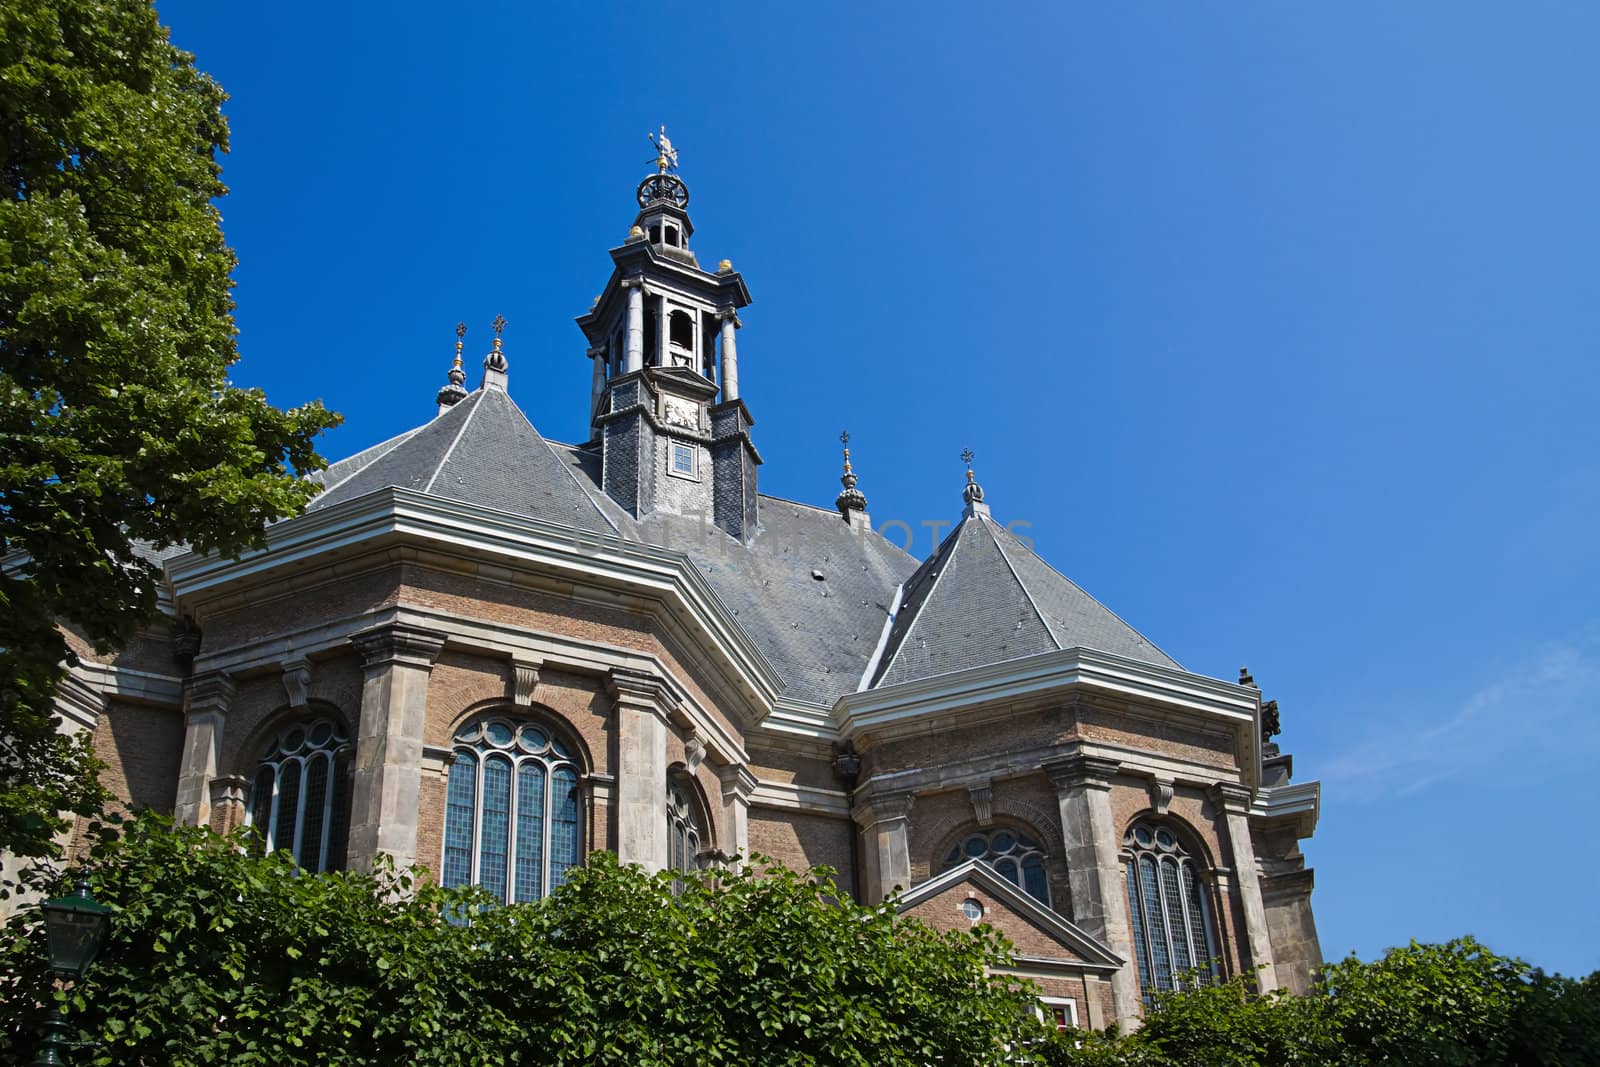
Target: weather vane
[[967, 456], [666, 155], [844, 438], [499, 325]]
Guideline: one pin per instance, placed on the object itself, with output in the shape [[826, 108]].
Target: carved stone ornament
[[694, 752], [524, 680], [1160, 794], [680, 413], [297, 681], [982, 797]]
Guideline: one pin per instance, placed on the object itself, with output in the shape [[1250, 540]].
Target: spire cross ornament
[[461, 334], [844, 439], [666, 155], [499, 325]]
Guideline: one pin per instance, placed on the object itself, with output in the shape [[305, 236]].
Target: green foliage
[[117, 421], [220, 956], [1419, 1006]]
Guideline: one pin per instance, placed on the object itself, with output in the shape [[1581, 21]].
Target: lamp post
[[76, 927]]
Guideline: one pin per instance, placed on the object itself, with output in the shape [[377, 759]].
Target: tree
[[119, 430], [219, 955]]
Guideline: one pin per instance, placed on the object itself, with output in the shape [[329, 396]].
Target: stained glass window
[[1167, 909], [1014, 855], [300, 798], [511, 819], [683, 830]]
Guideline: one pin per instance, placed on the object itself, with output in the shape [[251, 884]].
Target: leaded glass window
[[1014, 855], [1167, 909], [511, 810], [683, 830], [300, 797]]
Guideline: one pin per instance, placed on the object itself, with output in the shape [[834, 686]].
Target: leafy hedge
[[218, 955]]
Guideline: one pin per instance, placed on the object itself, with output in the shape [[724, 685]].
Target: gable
[[1035, 931]]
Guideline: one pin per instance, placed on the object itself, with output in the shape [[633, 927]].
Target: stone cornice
[[124, 683], [651, 575], [883, 712], [1231, 798], [737, 782], [870, 809], [641, 691], [1300, 802], [789, 796], [398, 643]]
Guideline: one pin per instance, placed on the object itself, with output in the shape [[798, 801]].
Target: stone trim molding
[[1077, 769]]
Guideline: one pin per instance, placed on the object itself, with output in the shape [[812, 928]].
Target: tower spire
[[851, 499], [494, 364], [972, 492], [455, 391]]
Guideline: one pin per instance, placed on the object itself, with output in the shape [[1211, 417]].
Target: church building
[[488, 654]]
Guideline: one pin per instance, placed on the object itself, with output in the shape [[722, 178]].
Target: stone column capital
[[209, 693], [887, 807], [728, 314], [737, 782], [1232, 798], [641, 691], [1079, 770], [398, 643]]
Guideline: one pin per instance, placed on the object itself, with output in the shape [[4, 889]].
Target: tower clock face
[[682, 413]]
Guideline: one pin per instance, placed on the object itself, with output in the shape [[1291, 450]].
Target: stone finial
[[725, 266], [1271, 722], [851, 499], [1246, 678], [972, 492], [455, 391]]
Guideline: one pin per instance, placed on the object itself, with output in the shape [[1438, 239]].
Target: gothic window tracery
[[300, 796], [1016, 856], [511, 810], [1166, 907], [684, 829]]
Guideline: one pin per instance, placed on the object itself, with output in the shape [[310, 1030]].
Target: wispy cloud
[[1543, 708]]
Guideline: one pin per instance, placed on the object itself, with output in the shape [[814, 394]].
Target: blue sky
[[1276, 322]]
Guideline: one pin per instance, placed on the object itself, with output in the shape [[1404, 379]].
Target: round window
[[972, 910]]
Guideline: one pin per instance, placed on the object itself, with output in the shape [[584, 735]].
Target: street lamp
[[76, 927]]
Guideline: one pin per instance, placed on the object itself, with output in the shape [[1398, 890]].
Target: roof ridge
[[1026, 592], [568, 470], [445, 459], [394, 442], [1094, 600], [883, 639], [939, 553]]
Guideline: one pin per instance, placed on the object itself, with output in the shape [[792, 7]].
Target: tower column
[[396, 660], [642, 705], [885, 850], [730, 356], [1094, 871], [635, 326], [1234, 803], [597, 385]]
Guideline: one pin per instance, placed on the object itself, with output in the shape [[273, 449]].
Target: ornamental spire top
[[494, 364], [972, 492], [851, 499], [455, 390], [666, 155]]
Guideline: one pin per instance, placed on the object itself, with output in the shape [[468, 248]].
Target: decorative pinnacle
[[455, 390], [496, 359], [851, 499], [973, 492]]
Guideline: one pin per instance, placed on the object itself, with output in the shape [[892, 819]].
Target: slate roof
[[483, 450], [984, 597], [813, 594]]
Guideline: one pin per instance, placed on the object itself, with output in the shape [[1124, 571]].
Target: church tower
[[665, 411]]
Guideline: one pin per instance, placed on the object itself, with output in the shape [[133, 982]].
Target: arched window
[[683, 829], [511, 812], [300, 798], [1167, 907], [1016, 856]]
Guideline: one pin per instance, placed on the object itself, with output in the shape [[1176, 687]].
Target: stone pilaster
[[885, 824], [737, 785], [1094, 870], [207, 698], [397, 660], [1233, 801], [643, 706]]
